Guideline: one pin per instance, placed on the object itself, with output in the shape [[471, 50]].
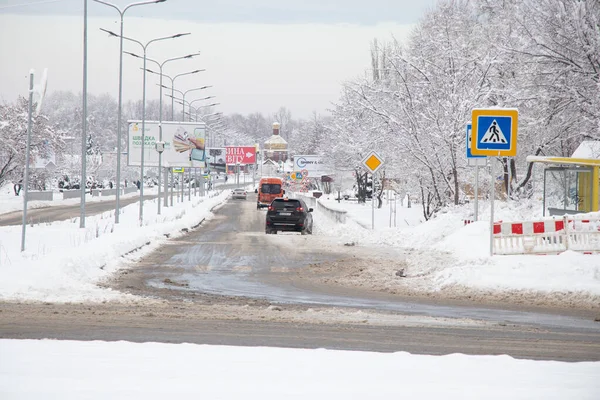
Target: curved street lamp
[[192, 90], [160, 67], [182, 100], [144, 47], [197, 109], [189, 103], [121, 12], [175, 90]]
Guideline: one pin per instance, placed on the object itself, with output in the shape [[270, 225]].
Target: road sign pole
[[389, 194], [372, 162], [172, 185], [509, 178], [492, 195], [395, 210], [373, 202], [476, 192], [166, 192]]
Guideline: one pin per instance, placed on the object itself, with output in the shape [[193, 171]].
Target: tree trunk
[[361, 186], [505, 173], [380, 194], [529, 172], [455, 176]]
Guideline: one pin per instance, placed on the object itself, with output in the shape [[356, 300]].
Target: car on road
[[285, 214], [239, 194], [269, 188]]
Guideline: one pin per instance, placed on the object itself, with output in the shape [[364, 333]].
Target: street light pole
[[173, 90], [186, 92], [83, 181], [160, 137], [172, 82], [122, 14], [26, 180], [144, 47], [189, 104], [197, 109]]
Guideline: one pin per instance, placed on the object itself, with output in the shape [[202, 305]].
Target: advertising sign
[[240, 155], [184, 144], [315, 165], [215, 159]]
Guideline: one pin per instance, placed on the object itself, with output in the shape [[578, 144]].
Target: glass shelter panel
[[567, 190]]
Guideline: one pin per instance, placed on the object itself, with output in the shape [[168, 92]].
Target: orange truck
[[269, 189]]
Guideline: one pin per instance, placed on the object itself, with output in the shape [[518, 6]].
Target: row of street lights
[[160, 68], [145, 48], [120, 111], [145, 69]]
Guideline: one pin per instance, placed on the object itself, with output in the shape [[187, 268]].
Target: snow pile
[[444, 254], [34, 369], [64, 263]]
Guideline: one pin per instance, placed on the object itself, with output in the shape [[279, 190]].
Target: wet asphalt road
[[230, 257]]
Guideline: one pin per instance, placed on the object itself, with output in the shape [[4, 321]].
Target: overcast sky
[[258, 55]]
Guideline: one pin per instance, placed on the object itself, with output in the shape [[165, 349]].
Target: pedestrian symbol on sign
[[494, 134]]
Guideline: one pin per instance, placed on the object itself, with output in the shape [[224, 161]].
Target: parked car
[[285, 214], [239, 194]]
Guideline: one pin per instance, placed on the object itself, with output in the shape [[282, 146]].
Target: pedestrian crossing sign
[[495, 132]]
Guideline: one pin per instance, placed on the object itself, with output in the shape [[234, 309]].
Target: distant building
[[276, 148]]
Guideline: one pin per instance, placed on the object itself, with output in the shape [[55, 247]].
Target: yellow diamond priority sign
[[373, 162]]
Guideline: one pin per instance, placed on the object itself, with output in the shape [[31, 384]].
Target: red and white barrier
[[546, 237]]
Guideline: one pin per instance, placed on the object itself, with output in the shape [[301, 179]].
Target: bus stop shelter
[[571, 185]]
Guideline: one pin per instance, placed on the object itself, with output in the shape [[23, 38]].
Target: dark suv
[[289, 215]]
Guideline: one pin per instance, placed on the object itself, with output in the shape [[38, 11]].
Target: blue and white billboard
[[314, 164]]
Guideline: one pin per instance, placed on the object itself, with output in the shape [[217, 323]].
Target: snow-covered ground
[[63, 263], [9, 202], [447, 255], [44, 369]]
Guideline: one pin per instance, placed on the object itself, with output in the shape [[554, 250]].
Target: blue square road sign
[[469, 153], [495, 132]]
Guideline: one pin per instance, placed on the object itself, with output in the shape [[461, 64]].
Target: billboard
[[184, 144], [240, 155], [215, 159], [314, 164]]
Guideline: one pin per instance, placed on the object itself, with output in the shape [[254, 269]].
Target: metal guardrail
[[71, 194], [39, 195], [335, 215], [109, 192]]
